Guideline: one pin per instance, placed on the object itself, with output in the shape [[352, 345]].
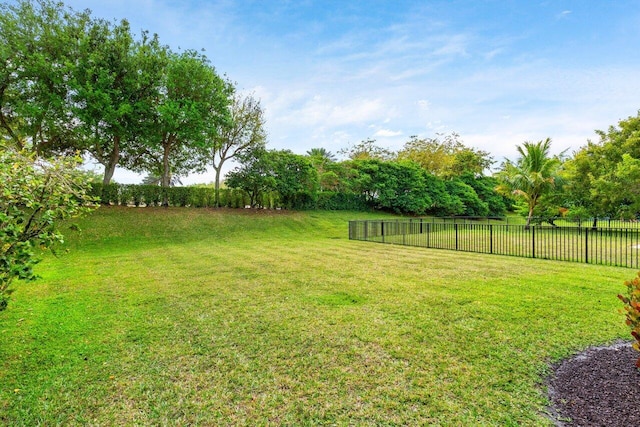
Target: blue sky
[[333, 73]]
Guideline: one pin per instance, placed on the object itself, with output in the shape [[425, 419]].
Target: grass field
[[204, 317]]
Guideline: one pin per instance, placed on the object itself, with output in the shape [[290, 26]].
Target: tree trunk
[[166, 172], [218, 169], [112, 162], [528, 224]]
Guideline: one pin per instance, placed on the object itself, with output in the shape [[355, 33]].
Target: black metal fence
[[553, 221], [606, 246]]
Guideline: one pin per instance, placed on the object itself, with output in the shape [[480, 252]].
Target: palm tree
[[321, 154], [532, 176]]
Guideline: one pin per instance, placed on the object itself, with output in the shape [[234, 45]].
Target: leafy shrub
[[632, 310], [471, 203], [339, 201], [137, 195], [178, 196], [201, 197], [110, 194], [95, 190], [151, 194], [237, 199], [37, 195], [126, 194]]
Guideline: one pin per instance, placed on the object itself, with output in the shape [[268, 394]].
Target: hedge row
[[201, 197]]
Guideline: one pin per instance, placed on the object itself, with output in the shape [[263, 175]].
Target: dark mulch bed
[[599, 387]]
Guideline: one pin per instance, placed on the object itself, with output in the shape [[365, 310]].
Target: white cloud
[[387, 133], [330, 112]]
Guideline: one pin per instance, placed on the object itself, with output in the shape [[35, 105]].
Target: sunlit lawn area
[[203, 317]]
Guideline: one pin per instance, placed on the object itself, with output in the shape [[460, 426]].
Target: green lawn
[[203, 317]]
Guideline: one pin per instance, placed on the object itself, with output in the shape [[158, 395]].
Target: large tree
[[445, 156], [192, 99], [602, 176], [242, 133], [366, 150], [402, 187], [290, 175], [255, 175], [533, 175], [115, 82], [325, 163], [37, 50], [485, 188], [296, 180]]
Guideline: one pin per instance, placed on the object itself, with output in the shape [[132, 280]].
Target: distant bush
[[201, 197], [151, 194], [179, 196], [632, 310], [338, 201], [204, 197], [107, 194]]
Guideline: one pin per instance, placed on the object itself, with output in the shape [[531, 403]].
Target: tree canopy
[[532, 176], [446, 156], [243, 132], [70, 82], [603, 176]]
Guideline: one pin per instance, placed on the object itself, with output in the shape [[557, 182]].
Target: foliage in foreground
[[632, 310], [35, 195]]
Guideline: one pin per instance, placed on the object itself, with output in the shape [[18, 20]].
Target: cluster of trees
[[603, 177], [599, 180], [436, 176], [71, 83], [442, 176]]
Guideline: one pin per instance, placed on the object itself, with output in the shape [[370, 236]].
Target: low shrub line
[[204, 197]]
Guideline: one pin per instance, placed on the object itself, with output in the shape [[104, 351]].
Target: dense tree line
[[399, 182], [442, 176], [73, 83]]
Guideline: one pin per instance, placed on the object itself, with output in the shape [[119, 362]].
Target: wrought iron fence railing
[[552, 221], [602, 245]]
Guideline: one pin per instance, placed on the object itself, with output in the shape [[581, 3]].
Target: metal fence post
[[533, 241], [404, 232], [586, 245], [490, 238], [456, 228]]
